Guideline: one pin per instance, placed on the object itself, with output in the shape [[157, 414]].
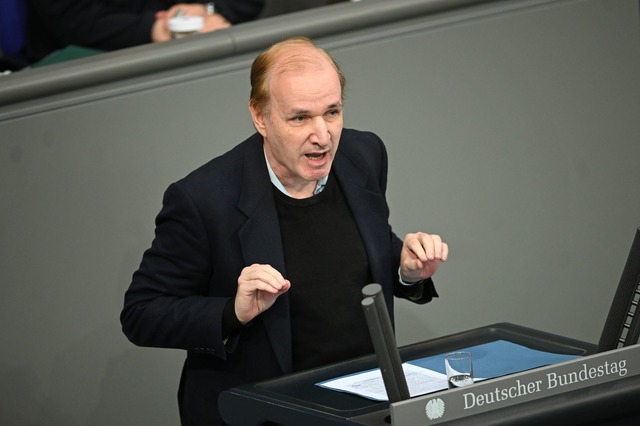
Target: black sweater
[[327, 265]]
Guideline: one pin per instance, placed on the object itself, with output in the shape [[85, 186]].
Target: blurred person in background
[[117, 24]]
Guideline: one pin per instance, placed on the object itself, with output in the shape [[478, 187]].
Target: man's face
[[302, 126]]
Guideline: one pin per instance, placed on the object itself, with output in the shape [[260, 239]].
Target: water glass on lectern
[[459, 367]]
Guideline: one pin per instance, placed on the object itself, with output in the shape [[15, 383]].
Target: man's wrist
[[407, 283]]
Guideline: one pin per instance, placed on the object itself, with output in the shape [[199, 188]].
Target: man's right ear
[[258, 120]]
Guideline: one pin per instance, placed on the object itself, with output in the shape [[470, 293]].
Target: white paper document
[[370, 384]]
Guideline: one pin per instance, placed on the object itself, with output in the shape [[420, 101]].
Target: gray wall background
[[512, 130]]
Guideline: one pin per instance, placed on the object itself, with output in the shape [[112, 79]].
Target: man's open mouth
[[316, 156]]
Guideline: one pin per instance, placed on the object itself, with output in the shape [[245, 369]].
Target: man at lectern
[[260, 255]]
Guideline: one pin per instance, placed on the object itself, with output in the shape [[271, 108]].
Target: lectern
[[296, 399]]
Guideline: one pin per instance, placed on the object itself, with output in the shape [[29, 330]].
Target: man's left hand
[[421, 256]]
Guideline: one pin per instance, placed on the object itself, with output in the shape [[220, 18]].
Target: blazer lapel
[[262, 243], [368, 208]]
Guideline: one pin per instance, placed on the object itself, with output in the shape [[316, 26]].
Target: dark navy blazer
[[214, 222]]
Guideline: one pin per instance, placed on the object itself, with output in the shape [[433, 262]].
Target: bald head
[[292, 55]]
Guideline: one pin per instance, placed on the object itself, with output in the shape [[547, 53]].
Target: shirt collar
[[276, 182]]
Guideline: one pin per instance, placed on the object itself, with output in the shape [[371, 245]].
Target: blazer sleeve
[[367, 154], [423, 291], [167, 304]]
